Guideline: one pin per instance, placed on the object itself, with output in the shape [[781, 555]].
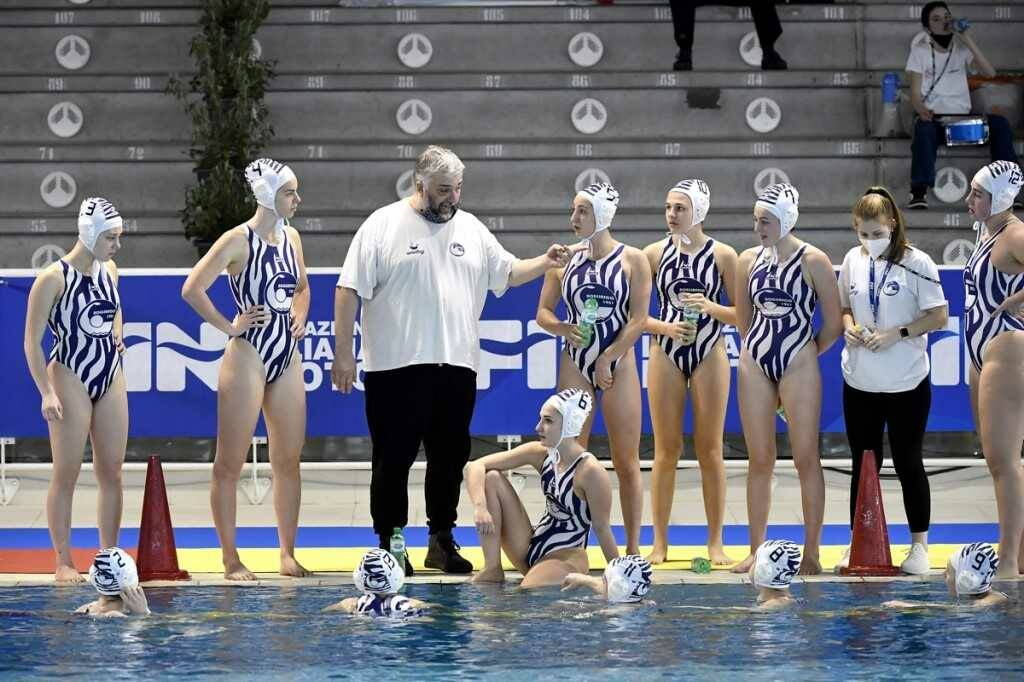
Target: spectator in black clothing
[[766, 23]]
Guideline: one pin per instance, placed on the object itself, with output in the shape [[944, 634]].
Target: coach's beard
[[438, 213]]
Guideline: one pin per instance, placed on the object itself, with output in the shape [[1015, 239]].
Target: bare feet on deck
[[719, 557], [658, 555], [743, 566], [489, 575], [238, 571], [810, 565], [68, 575], [291, 567]]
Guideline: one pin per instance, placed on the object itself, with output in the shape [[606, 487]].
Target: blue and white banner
[[173, 357]]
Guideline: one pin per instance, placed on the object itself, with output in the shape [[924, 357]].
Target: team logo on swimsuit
[[970, 292], [279, 291], [774, 303], [97, 318], [891, 288], [457, 249], [602, 294], [681, 286]]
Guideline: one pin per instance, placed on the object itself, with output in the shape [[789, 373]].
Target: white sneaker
[[916, 562], [844, 561]]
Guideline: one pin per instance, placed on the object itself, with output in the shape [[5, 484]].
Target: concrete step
[[468, 151], [484, 48], [327, 187], [168, 248], [318, 117]]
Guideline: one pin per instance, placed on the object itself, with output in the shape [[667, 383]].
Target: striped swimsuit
[[680, 273], [82, 323], [268, 279], [784, 306], [385, 605], [986, 288], [566, 521], [604, 280]]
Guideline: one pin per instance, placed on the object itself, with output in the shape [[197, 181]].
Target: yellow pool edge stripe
[[336, 559]]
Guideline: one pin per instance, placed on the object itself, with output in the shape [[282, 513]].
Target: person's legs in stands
[[683, 13], [769, 28], [923, 149]]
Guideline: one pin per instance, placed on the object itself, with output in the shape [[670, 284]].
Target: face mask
[[943, 41], [876, 247]]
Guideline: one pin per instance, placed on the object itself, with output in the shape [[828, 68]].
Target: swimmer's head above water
[[970, 569], [627, 578], [776, 563], [378, 573]]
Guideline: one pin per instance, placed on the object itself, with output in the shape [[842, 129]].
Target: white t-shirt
[[423, 286], [950, 95], [903, 298]]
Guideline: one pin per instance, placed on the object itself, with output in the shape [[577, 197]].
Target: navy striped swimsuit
[[385, 605], [680, 273], [606, 281], [566, 521], [269, 279], [82, 323], [784, 306], [986, 289]]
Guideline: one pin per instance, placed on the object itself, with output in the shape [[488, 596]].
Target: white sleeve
[[929, 294], [359, 272], [915, 61], [844, 282], [499, 262]]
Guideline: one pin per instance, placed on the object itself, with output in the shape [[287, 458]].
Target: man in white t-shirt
[[937, 66], [421, 268]]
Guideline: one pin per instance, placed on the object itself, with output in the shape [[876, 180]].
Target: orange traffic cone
[[869, 550], [157, 556]]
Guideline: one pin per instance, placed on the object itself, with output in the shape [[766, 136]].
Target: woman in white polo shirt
[[891, 299]]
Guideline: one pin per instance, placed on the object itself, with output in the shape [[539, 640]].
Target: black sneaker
[[773, 61], [683, 62], [918, 201], [385, 543], [443, 554]]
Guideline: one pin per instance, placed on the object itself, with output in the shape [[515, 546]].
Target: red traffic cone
[[157, 556], [869, 551]]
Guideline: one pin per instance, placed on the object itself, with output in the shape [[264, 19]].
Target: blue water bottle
[[962, 25], [890, 88]]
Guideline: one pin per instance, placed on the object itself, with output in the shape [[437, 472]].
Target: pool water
[[837, 631]]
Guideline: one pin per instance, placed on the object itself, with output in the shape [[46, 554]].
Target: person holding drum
[[937, 66]]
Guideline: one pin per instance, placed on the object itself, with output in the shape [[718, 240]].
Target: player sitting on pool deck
[[115, 577], [626, 579], [969, 574], [775, 564], [379, 578]]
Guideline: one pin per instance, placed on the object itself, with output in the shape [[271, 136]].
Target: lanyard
[[875, 297]]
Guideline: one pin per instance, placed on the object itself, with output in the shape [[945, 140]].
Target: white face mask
[[876, 247]]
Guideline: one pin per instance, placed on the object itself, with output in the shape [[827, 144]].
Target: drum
[[965, 130]]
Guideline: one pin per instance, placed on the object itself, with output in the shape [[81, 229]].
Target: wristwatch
[[904, 333]]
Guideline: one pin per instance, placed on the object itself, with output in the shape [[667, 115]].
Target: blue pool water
[[837, 632]]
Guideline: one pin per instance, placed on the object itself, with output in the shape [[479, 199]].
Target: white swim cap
[[574, 405], [973, 567], [265, 177], [112, 571], [700, 197], [782, 201], [628, 578], [1003, 180], [776, 562], [378, 573], [604, 199], [96, 215]]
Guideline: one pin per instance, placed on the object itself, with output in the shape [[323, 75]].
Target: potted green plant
[[230, 121]]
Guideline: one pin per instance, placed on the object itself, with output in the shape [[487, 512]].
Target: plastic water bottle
[[962, 25], [397, 547], [701, 565], [890, 88], [587, 319], [691, 315]]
